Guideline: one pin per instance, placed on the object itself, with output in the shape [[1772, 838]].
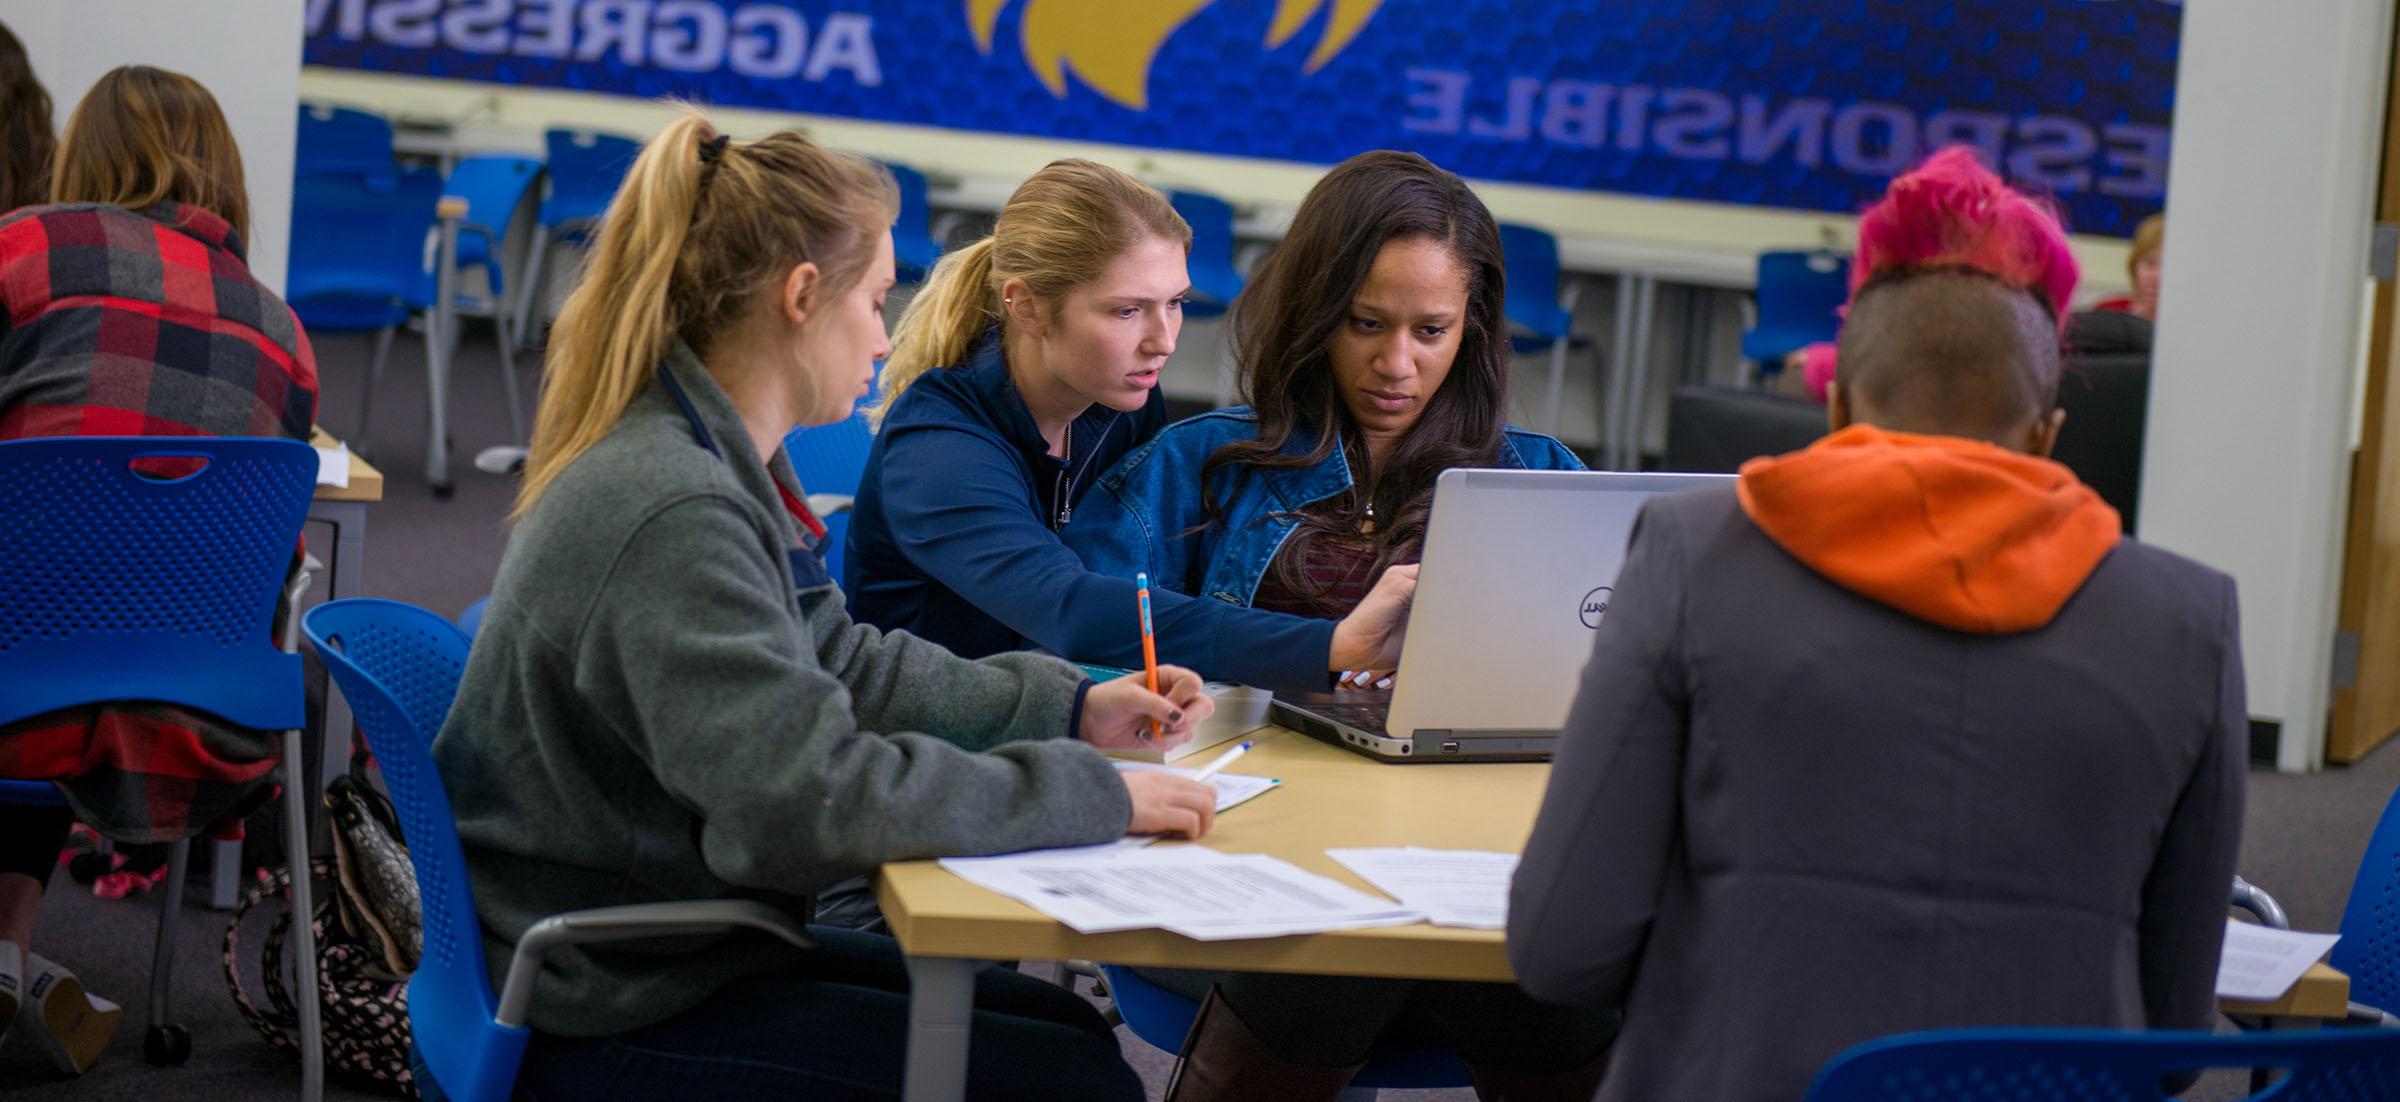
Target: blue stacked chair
[[2044, 1065], [1800, 297], [359, 261], [1215, 278], [914, 249], [1164, 1019], [493, 188], [1535, 310], [584, 171], [125, 585], [342, 140], [399, 667], [830, 461]]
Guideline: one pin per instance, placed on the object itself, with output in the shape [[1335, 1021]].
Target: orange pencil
[[1149, 644]]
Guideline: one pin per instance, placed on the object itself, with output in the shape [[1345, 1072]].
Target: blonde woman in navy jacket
[[1375, 353]]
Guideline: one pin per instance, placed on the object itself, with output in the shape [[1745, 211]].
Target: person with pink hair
[[1899, 731], [1953, 213]]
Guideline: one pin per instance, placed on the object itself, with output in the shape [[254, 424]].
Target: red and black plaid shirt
[[143, 323]]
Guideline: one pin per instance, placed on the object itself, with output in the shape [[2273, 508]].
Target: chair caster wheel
[[166, 1045], [443, 490]]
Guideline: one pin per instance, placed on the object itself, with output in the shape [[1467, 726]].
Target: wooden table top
[[366, 483], [1330, 798]]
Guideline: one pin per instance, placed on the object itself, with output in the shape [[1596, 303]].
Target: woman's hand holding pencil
[[1117, 715]]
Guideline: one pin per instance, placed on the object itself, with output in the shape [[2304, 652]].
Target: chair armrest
[[2254, 899], [825, 505], [631, 922]]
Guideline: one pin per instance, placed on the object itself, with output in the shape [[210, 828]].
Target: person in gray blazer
[[1898, 732]]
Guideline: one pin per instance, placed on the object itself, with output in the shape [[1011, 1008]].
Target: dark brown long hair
[[25, 141], [1284, 324], [143, 136]]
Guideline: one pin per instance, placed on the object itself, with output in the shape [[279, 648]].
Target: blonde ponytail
[[1061, 229], [958, 302], [682, 249]]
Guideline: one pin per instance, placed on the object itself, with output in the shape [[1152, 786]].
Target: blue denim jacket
[[1142, 514]]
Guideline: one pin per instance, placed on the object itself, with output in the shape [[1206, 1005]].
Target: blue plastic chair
[[1535, 309], [470, 618], [2370, 947], [399, 667], [2044, 1065], [1164, 1019], [343, 141], [830, 461], [914, 249], [1215, 278], [493, 187], [125, 586], [1800, 295], [359, 261], [584, 171]]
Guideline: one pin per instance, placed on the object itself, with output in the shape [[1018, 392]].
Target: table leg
[[437, 358], [1637, 377], [1620, 364], [941, 1006]]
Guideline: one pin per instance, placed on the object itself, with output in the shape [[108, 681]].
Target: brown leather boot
[[1577, 1085], [1224, 1062]]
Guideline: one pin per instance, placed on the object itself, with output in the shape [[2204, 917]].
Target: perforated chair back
[[399, 667], [914, 249], [1215, 280], [2043, 1065], [1163, 1019], [493, 186], [2370, 947], [586, 168], [105, 564], [359, 258], [1800, 295], [832, 459], [342, 140]]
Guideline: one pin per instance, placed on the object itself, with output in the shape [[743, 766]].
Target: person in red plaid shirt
[[126, 309]]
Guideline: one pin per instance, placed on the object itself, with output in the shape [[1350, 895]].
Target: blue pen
[[1223, 760]]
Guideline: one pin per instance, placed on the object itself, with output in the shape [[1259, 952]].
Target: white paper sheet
[[1232, 788], [2260, 964], [1454, 887], [1189, 890], [333, 466]]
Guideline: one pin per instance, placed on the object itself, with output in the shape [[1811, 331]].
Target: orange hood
[[1955, 532]]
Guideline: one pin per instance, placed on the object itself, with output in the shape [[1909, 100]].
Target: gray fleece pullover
[[652, 712]]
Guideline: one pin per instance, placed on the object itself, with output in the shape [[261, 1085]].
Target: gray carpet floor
[[2303, 840]]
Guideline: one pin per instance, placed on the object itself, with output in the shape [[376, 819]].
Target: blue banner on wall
[[1782, 104]]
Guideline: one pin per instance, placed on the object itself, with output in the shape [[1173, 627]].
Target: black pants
[[30, 838], [837, 1032], [1334, 1021]]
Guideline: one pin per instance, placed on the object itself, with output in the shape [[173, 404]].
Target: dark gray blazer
[[1786, 819]]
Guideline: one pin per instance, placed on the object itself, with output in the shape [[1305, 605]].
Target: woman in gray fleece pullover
[[668, 701]]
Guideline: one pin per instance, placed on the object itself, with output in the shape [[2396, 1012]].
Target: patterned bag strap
[[280, 1027]]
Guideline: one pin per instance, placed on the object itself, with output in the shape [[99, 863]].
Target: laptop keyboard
[[1365, 717]]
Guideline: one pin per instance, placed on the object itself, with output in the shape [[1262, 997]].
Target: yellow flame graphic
[[1110, 43]]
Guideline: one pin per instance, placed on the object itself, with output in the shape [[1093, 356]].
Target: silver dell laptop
[[1518, 570]]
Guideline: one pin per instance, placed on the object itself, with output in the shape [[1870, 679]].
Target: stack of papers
[[1240, 710], [1189, 890], [2260, 963], [333, 465], [1452, 887], [1231, 788]]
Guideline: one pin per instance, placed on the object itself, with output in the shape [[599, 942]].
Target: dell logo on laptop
[[1595, 606]]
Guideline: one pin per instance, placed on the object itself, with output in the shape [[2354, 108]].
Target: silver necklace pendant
[[1367, 527]]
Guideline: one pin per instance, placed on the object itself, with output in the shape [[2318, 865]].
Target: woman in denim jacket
[[1375, 352]]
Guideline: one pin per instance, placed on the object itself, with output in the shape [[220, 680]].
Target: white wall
[[247, 52], [2246, 467]]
